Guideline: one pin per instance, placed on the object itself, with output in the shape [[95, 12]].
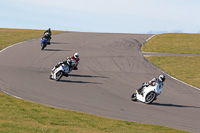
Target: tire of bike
[[133, 97], [43, 46], [59, 75], [150, 97]]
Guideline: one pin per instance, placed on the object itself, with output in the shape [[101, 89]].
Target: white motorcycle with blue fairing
[[149, 91], [62, 69]]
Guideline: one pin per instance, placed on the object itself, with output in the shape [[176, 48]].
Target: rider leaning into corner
[[68, 61], [153, 82], [76, 58], [47, 35], [48, 31]]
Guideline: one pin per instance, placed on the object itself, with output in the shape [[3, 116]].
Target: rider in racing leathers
[[47, 35], [48, 31], [66, 62], [69, 61], [76, 58], [152, 82]]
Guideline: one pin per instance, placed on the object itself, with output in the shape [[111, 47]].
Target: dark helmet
[[162, 78], [69, 62]]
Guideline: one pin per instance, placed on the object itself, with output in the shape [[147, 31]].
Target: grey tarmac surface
[[111, 68]]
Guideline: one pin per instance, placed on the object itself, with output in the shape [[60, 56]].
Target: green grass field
[[12, 36], [174, 43], [20, 116], [183, 68]]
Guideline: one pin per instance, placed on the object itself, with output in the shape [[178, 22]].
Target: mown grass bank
[[12, 36], [20, 116], [184, 68], [174, 43]]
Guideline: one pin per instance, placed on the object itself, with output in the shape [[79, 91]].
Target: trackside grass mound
[[184, 68], [12, 36], [20, 116], [174, 43]]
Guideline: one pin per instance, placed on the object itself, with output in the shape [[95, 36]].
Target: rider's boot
[[66, 74]]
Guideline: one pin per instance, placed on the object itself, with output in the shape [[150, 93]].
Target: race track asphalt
[[111, 68]]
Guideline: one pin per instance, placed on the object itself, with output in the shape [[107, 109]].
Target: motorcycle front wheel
[[133, 97], [43, 46], [50, 77], [150, 97]]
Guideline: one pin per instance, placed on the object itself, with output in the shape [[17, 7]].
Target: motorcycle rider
[[68, 62], [47, 35], [48, 31], [76, 58], [153, 82]]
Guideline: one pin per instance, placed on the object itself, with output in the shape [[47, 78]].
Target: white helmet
[[162, 78], [76, 55]]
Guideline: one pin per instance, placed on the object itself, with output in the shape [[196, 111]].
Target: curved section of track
[[111, 68]]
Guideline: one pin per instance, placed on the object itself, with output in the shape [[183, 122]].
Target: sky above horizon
[[108, 16]]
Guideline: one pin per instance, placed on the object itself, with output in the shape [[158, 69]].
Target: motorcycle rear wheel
[[150, 97], [59, 75]]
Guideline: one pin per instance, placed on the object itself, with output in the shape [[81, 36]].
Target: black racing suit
[[48, 37], [65, 63], [47, 31]]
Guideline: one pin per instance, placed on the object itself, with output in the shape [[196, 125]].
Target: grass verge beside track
[[20, 116], [184, 68], [12, 36], [174, 43]]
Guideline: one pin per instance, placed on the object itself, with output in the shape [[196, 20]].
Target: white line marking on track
[[9, 94], [150, 38]]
